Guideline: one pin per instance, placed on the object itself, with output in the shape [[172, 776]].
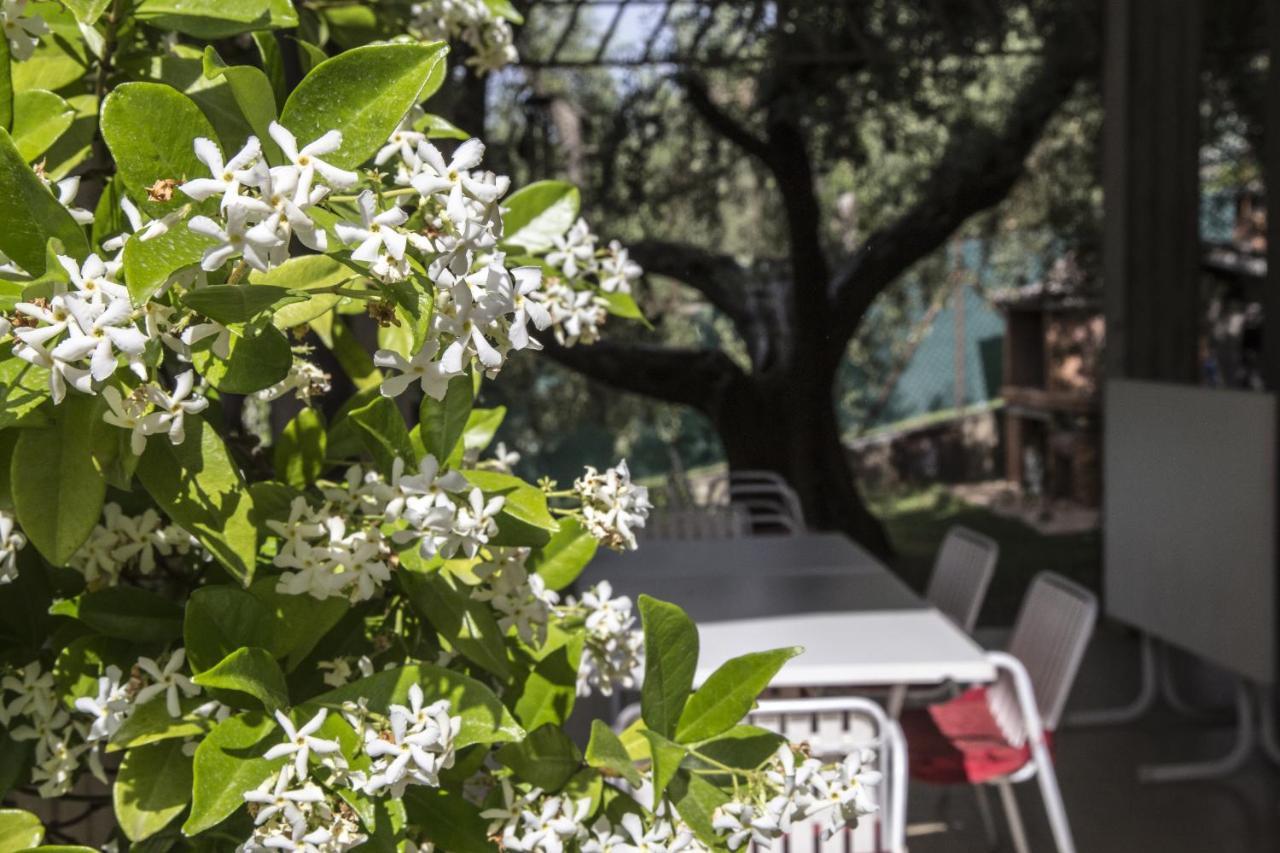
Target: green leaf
[[87, 11], [666, 756], [536, 214], [482, 424], [6, 87], [484, 718], [19, 829], [550, 689], [252, 92], [443, 421], [354, 358], [235, 303], [696, 800], [31, 214], [624, 305], [296, 622], [671, 656], [220, 619], [466, 624], [448, 820], [272, 62], [197, 485], [546, 758], [216, 19], [152, 788], [132, 613], [606, 752], [383, 432], [306, 272], [249, 670], [80, 662], [150, 723], [260, 357], [57, 491], [299, 452], [562, 559], [743, 747], [363, 93], [39, 118], [148, 264], [503, 9], [731, 691], [229, 762], [147, 150], [438, 127]]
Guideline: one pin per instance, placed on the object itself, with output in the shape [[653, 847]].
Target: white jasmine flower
[[307, 159], [301, 742], [276, 798], [173, 408], [22, 30], [575, 251], [108, 709], [423, 367], [99, 330], [61, 373], [618, 271], [612, 506], [228, 177], [167, 680], [11, 542], [235, 238], [376, 231], [68, 188], [129, 413]]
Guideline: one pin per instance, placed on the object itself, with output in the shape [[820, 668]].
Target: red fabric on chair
[[958, 741]]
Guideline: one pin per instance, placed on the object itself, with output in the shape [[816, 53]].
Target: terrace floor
[[1110, 809]]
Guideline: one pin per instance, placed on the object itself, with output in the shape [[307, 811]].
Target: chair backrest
[[961, 574], [1049, 638], [833, 727], [699, 523]]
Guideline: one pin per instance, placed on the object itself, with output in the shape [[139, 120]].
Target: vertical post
[[1151, 144], [1271, 174]]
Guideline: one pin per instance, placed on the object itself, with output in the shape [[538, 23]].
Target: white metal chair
[[833, 727], [1000, 735], [769, 500], [962, 573]]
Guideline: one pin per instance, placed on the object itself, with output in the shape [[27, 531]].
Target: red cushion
[[958, 741]]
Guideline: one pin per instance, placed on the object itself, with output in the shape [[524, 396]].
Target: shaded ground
[[917, 521]]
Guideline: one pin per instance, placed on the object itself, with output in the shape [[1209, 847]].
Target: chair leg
[[1016, 829], [1052, 796], [984, 813]]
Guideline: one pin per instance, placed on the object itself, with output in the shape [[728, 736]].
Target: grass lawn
[[918, 519]]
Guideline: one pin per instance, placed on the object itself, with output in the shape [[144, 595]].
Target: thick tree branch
[[976, 171], [721, 122], [691, 377]]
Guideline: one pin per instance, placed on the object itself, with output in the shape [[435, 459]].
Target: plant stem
[[403, 191]]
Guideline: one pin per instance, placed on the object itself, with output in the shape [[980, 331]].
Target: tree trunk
[[790, 427]]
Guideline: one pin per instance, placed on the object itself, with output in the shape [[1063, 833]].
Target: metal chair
[[1000, 735], [962, 573], [697, 523], [769, 500], [833, 727]]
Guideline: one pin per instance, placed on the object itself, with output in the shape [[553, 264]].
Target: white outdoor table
[[858, 623]]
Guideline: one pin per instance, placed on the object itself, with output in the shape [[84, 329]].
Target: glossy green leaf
[[147, 150], [19, 830], [671, 656], [260, 357], [150, 722], [666, 756], [525, 519], [39, 118], [31, 214], [252, 92], [363, 93], [6, 87], [605, 752], [549, 691], [132, 613], [235, 303], [534, 215], [57, 491], [729, 693], [148, 264], [87, 11], [438, 127], [443, 421], [198, 486], [383, 432], [562, 559], [306, 272], [250, 670], [482, 425], [300, 449], [546, 758], [696, 800], [448, 820], [215, 19], [743, 747], [229, 762], [484, 718], [465, 623], [220, 619], [296, 622], [152, 787]]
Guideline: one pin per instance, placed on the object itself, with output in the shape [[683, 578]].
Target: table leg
[[897, 698]]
